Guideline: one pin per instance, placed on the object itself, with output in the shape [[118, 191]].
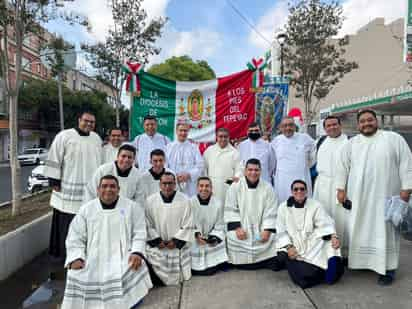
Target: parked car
[[33, 156], [37, 181]]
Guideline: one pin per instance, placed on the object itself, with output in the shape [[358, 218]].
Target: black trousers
[[271, 263], [59, 229]]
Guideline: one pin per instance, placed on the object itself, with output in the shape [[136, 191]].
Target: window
[[25, 63]]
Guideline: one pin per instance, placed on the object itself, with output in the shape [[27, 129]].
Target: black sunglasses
[[296, 189]]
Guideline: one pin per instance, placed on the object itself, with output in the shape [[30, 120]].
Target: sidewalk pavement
[[265, 289]]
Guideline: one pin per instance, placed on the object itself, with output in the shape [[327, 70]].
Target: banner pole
[[130, 116]]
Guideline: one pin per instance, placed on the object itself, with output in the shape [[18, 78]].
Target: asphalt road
[[5, 181]]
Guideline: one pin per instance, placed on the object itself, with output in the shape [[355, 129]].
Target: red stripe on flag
[[235, 104]]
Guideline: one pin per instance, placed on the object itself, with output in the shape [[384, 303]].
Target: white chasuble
[[208, 221], [109, 153], [104, 239], [262, 151], [168, 221], [130, 186], [222, 164], [72, 159], [304, 228], [185, 158], [295, 156], [325, 185], [372, 169], [255, 209]]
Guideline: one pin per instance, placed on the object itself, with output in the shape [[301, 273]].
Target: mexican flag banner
[[205, 106]]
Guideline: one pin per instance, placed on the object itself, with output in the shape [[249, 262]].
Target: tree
[[132, 37], [183, 68], [313, 52], [19, 20]]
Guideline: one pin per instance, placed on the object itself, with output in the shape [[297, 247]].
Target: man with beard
[[295, 154], [374, 166], [325, 187], [111, 149], [222, 164], [74, 156], [257, 148], [123, 169]]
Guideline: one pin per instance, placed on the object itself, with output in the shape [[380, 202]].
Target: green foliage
[[313, 52], [183, 68], [42, 97]]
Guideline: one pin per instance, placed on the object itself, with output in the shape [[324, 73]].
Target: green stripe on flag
[[157, 98]]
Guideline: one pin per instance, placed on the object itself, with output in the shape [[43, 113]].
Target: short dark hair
[[366, 111], [204, 178], [254, 162], [109, 177], [127, 147], [298, 181], [157, 152], [168, 174], [149, 117], [86, 111], [222, 129], [253, 124], [330, 117], [115, 128]]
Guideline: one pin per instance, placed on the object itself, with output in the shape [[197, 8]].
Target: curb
[[25, 197], [20, 246]]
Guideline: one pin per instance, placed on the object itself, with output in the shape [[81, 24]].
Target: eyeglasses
[[168, 183], [302, 189]]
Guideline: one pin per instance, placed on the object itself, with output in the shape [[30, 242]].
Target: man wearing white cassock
[[111, 149], [250, 215], [325, 186], [222, 164], [307, 242], [105, 252], [375, 165], [150, 179], [185, 160], [148, 141], [74, 156], [170, 233], [209, 248], [123, 169], [257, 148], [295, 153]]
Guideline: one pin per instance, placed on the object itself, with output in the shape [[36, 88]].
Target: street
[[5, 181]]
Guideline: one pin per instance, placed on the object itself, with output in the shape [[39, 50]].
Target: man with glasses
[[250, 216], [111, 149], [148, 141], [295, 153], [257, 148], [374, 166], [74, 156], [222, 164], [170, 232], [307, 241]]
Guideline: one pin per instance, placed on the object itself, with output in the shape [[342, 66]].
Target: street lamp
[[281, 38]]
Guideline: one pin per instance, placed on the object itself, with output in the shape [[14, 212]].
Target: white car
[[37, 181], [33, 156]]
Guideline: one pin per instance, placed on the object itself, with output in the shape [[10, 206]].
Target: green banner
[[409, 12], [158, 98]]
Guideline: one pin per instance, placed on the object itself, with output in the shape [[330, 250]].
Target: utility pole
[[60, 90]]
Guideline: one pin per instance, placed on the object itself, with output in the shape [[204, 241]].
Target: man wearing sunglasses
[[374, 166]]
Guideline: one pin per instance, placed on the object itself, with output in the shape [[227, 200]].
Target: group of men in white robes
[[202, 212]]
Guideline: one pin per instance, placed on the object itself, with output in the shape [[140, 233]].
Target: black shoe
[[385, 280]]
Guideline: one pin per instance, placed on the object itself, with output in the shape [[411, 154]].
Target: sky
[[213, 30]]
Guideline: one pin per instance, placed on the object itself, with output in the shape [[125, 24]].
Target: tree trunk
[[118, 112], [59, 86]]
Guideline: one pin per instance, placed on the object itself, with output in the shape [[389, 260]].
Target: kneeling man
[[250, 215], [105, 249], [209, 249], [307, 240], [170, 232]]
